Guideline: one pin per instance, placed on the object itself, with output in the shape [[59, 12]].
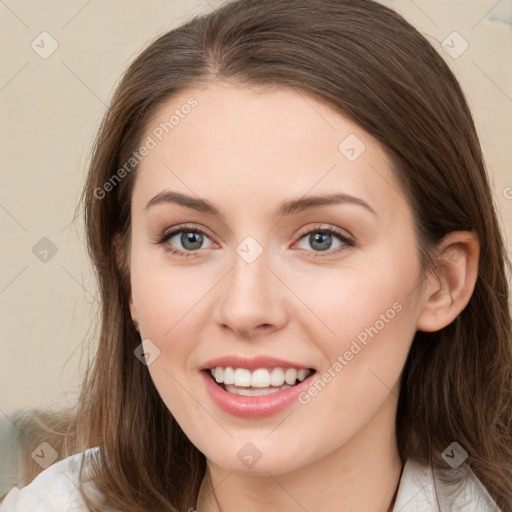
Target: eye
[[184, 240], [322, 239]]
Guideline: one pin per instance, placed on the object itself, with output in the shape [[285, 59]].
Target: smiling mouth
[[263, 381]]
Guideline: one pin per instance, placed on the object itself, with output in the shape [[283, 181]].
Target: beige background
[[50, 109]]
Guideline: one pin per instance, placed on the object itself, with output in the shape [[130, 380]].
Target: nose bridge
[[251, 296]]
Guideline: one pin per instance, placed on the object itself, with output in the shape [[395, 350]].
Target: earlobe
[[449, 289]]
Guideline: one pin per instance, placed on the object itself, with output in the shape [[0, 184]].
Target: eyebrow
[[289, 207]]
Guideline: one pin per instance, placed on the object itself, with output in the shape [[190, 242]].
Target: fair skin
[[246, 151]]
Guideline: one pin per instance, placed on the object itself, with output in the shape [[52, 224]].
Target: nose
[[252, 299]]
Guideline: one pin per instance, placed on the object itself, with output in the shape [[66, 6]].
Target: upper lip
[[251, 363]]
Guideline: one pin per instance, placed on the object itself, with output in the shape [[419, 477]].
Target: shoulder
[[55, 489], [423, 489]]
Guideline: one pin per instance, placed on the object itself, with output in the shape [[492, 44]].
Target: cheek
[[364, 325], [372, 316], [369, 307], [363, 301], [165, 296], [168, 303]]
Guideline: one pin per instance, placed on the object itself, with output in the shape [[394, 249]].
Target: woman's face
[[243, 184]]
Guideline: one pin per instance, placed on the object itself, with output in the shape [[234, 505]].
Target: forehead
[[270, 142]]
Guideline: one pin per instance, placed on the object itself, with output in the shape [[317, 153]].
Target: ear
[[122, 263], [450, 287]]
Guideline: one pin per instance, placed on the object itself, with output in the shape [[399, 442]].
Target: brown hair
[[367, 62]]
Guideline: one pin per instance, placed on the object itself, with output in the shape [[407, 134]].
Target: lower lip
[[253, 406]]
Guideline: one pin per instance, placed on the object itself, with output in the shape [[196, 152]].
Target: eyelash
[[347, 241]]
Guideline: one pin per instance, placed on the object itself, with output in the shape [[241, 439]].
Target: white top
[[56, 489]]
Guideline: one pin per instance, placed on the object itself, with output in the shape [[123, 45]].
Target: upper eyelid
[[336, 231], [327, 227], [302, 231], [184, 227]]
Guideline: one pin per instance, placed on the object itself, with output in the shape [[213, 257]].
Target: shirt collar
[[423, 489]]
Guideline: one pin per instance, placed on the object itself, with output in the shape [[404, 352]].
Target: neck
[[362, 474]]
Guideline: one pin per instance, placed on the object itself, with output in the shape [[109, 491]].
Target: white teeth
[[290, 376], [260, 378], [219, 374], [302, 374], [254, 392], [229, 375], [242, 377], [277, 377]]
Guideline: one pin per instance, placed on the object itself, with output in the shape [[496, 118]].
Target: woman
[[303, 281]]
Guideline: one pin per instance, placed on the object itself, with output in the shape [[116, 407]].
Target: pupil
[[318, 239], [193, 238]]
